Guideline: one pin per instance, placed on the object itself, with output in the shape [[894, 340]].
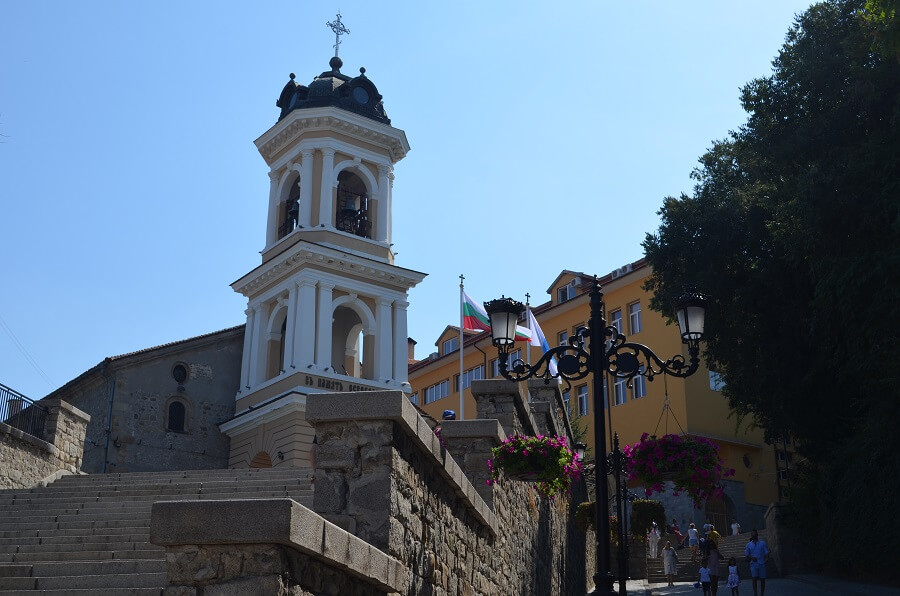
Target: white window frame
[[634, 318], [566, 292], [414, 398], [437, 391], [473, 374], [454, 345], [563, 338], [639, 385], [620, 390], [615, 319], [582, 392], [715, 381]]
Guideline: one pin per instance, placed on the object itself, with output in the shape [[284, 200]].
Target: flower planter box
[[545, 460]]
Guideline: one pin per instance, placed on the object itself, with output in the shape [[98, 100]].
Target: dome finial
[[335, 63], [362, 70], [293, 76]]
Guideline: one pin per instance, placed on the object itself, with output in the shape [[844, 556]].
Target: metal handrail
[[22, 413]]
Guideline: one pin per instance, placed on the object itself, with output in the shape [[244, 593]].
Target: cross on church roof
[[339, 29]]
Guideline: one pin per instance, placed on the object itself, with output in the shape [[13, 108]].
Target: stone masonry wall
[[25, 460], [382, 475]]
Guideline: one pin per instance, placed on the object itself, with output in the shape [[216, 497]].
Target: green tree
[[793, 228]]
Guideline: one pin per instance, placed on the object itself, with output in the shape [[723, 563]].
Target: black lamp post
[[599, 349]]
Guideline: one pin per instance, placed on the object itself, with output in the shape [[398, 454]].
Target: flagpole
[[528, 346], [462, 406]]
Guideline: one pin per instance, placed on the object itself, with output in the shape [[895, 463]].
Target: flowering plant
[[545, 459], [691, 463]]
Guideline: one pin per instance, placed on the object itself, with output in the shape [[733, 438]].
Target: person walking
[[704, 577], [679, 538], [715, 560], [757, 552], [693, 541], [733, 579], [735, 527], [670, 563], [653, 540]]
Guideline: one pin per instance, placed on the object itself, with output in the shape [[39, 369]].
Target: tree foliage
[[793, 228]]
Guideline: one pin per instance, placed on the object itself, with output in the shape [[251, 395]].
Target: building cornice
[[283, 133], [329, 259]]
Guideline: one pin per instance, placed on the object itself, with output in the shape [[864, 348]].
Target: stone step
[[84, 555], [15, 570], [7, 543], [88, 592], [122, 490], [151, 497], [74, 532], [228, 473], [110, 567], [144, 493], [104, 582]]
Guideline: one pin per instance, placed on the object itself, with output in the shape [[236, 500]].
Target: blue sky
[[132, 194]]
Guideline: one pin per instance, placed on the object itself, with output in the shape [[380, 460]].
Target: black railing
[[353, 213], [22, 413]]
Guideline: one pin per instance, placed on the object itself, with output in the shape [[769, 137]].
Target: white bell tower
[[326, 308]]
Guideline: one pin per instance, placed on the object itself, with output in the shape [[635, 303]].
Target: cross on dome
[[339, 29]]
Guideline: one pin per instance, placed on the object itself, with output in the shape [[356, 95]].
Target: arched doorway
[[261, 460]]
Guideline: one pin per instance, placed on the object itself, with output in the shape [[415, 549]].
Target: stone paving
[[794, 585]]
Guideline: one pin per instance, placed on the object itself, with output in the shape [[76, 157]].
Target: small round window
[[180, 373]]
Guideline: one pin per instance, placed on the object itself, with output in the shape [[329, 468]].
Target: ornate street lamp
[[599, 349]]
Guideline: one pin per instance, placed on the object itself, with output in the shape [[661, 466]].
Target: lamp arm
[[626, 359], [573, 363]]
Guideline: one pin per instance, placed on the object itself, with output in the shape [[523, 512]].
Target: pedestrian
[[715, 559], [757, 552], [448, 415], [653, 540], [704, 577], [733, 580], [693, 541], [679, 537], [735, 527], [713, 536], [670, 563]]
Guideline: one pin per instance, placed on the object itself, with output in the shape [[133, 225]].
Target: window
[[563, 337], [450, 345], [615, 319], [414, 398], [784, 474], [715, 381], [175, 421], [437, 391], [639, 384], [495, 364], [473, 374], [566, 401], [180, 373], [619, 390], [785, 456], [567, 292], [634, 317], [582, 392]]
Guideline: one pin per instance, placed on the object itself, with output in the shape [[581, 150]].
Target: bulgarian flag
[[476, 319]]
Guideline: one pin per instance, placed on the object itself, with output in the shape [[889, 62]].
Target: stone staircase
[[729, 546], [91, 534]]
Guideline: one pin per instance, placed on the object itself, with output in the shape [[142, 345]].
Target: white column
[[383, 344], [326, 207], [272, 222], [248, 348], [290, 330], [257, 351], [306, 172], [384, 214], [390, 200], [305, 339], [401, 363], [324, 316]]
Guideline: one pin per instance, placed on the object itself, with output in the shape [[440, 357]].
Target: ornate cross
[[338, 27]]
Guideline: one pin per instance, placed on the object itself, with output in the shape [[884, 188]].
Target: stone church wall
[[141, 387]]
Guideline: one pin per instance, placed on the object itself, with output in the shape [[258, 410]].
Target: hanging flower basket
[[544, 459], [692, 464]]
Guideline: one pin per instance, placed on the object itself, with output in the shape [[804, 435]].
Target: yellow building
[[696, 404]]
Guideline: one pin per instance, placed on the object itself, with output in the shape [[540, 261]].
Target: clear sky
[[544, 137]]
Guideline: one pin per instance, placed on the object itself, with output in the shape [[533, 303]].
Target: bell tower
[[326, 308]]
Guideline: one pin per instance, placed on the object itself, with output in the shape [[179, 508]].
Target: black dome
[[331, 88]]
